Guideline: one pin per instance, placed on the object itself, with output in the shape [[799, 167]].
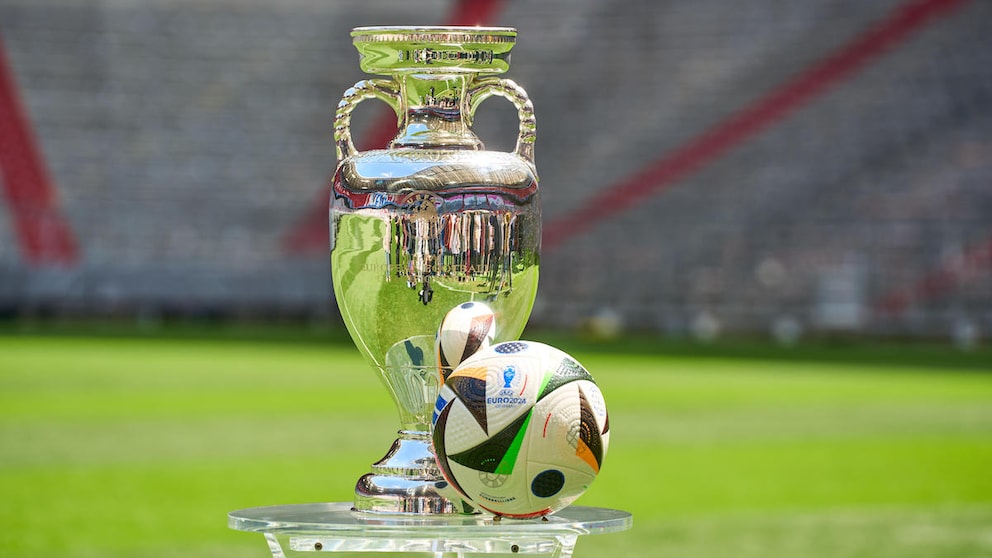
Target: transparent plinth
[[334, 527]]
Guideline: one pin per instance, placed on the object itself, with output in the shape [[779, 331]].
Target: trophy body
[[429, 223]]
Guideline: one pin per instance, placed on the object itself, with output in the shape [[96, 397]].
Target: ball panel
[[590, 447], [511, 347], [575, 483], [547, 483], [444, 396], [440, 448], [594, 396], [469, 388], [501, 494], [462, 432], [568, 370], [597, 404], [442, 360], [480, 331], [560, 415], [465, 329], [513, 452], [498, 453]]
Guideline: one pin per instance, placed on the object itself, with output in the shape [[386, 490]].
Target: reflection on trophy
[[429, 223]]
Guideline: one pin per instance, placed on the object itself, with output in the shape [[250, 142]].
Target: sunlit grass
[[140, 446]]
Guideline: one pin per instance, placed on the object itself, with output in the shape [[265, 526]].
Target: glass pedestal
[[333, 527]]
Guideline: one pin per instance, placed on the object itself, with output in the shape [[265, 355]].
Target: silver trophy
[[427, 224]]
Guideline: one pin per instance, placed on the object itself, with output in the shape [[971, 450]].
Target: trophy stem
[[405, 480]]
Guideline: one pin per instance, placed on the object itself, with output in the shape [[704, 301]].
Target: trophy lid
[[434, 49]]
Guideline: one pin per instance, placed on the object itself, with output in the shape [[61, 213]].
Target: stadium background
[[709, 168], [706, 167]]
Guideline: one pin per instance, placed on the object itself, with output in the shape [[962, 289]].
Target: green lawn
[[139, 446]]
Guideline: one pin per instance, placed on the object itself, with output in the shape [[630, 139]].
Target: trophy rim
[[434, 34], [451, 49]]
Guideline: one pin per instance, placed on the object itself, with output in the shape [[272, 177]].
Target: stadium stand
[[713, 166]]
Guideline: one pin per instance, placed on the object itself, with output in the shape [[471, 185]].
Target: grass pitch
[[139, 446]]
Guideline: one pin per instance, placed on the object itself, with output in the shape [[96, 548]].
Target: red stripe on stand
[[43, 234], [838, 66]]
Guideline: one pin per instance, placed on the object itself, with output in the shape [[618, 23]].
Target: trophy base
[[407, 481], [295, 529]]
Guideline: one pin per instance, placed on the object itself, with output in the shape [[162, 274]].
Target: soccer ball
[[520, 429], [465, 329]]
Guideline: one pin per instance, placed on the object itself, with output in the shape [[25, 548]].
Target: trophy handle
[[508, 89], [382, 89]]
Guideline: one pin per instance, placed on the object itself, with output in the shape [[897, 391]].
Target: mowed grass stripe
[[820, 421], [643, 381], [157, 509], [120, 363], [958, 531], [685, 480], [190, 440], [112, 379]]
